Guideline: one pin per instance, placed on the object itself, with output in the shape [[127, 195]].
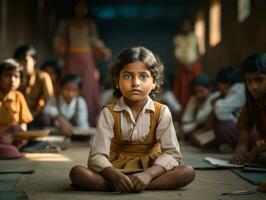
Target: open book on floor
[[205, 137], [221, 163]]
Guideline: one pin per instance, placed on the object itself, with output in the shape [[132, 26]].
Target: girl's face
[[69, 91], [135, 82], [201, 92], [223, 88], [10, 80], [256, 84]]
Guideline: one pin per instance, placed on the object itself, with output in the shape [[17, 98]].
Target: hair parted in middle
[[134, 54]]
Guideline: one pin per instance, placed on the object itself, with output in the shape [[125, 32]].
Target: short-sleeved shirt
[[13, 110], [38, 90]]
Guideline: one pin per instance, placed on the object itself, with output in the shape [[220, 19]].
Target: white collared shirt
[[229, 108], [69, 110]]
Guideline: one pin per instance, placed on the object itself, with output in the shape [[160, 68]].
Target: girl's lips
[[135, 91]]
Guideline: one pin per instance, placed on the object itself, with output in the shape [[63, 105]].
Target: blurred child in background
[[37, 87], [251, 146], [14, 111], [68, 109], [53, 69], [199, 106]]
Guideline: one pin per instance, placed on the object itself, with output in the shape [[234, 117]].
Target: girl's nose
[[135, 82]]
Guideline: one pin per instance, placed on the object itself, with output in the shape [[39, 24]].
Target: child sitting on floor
[[252, 122], [14, 111], [68, 109], [134, 134], [226, 110], [199, 105]]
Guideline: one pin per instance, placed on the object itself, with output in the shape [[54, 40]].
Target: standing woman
[[187, 62], [78, 43]]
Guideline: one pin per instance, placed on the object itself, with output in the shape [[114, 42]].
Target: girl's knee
[[186, 175], [75, 172], [189, 173]]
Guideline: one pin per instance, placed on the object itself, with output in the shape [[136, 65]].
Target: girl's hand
[[140, 181], [123, 184], [120, 181]]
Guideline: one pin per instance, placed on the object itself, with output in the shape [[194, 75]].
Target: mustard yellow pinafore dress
[[134, 156]]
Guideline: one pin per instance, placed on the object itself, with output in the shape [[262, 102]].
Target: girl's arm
[[100, 149], [242, 147], [170, 157], [166, 136]]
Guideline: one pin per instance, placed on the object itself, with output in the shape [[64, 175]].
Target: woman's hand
[[140, 181]]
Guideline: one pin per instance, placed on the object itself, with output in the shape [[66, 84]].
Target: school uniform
[[13, 110], [126, 143], [38, 90], [75, 112]]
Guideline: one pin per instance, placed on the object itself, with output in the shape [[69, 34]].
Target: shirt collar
[[121, 105]]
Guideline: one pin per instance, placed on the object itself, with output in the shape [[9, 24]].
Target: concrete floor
[[50, 179]]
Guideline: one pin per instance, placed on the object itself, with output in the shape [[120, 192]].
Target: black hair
[[253, 63], [10, 64], [229, 75], [71, 78], [203, 80], [22, 51], [134, 54], [54, 64]]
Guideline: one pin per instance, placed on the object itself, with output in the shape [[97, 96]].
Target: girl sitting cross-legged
[[135, 146]]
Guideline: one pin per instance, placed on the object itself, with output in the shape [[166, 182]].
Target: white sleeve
[[206, 109], [100, 150], [229, 107], [51, 108], [166, 136], [188, 115], [82, 113]]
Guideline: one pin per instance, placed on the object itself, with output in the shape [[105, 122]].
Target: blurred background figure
[[187, 61], [77, 41], [68, 109], [199, 105], [37, 86], [54, 71]]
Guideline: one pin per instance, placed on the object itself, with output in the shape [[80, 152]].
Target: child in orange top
[[14, 111], [134, 134]]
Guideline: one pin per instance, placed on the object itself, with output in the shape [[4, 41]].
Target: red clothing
[[181, 87]]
